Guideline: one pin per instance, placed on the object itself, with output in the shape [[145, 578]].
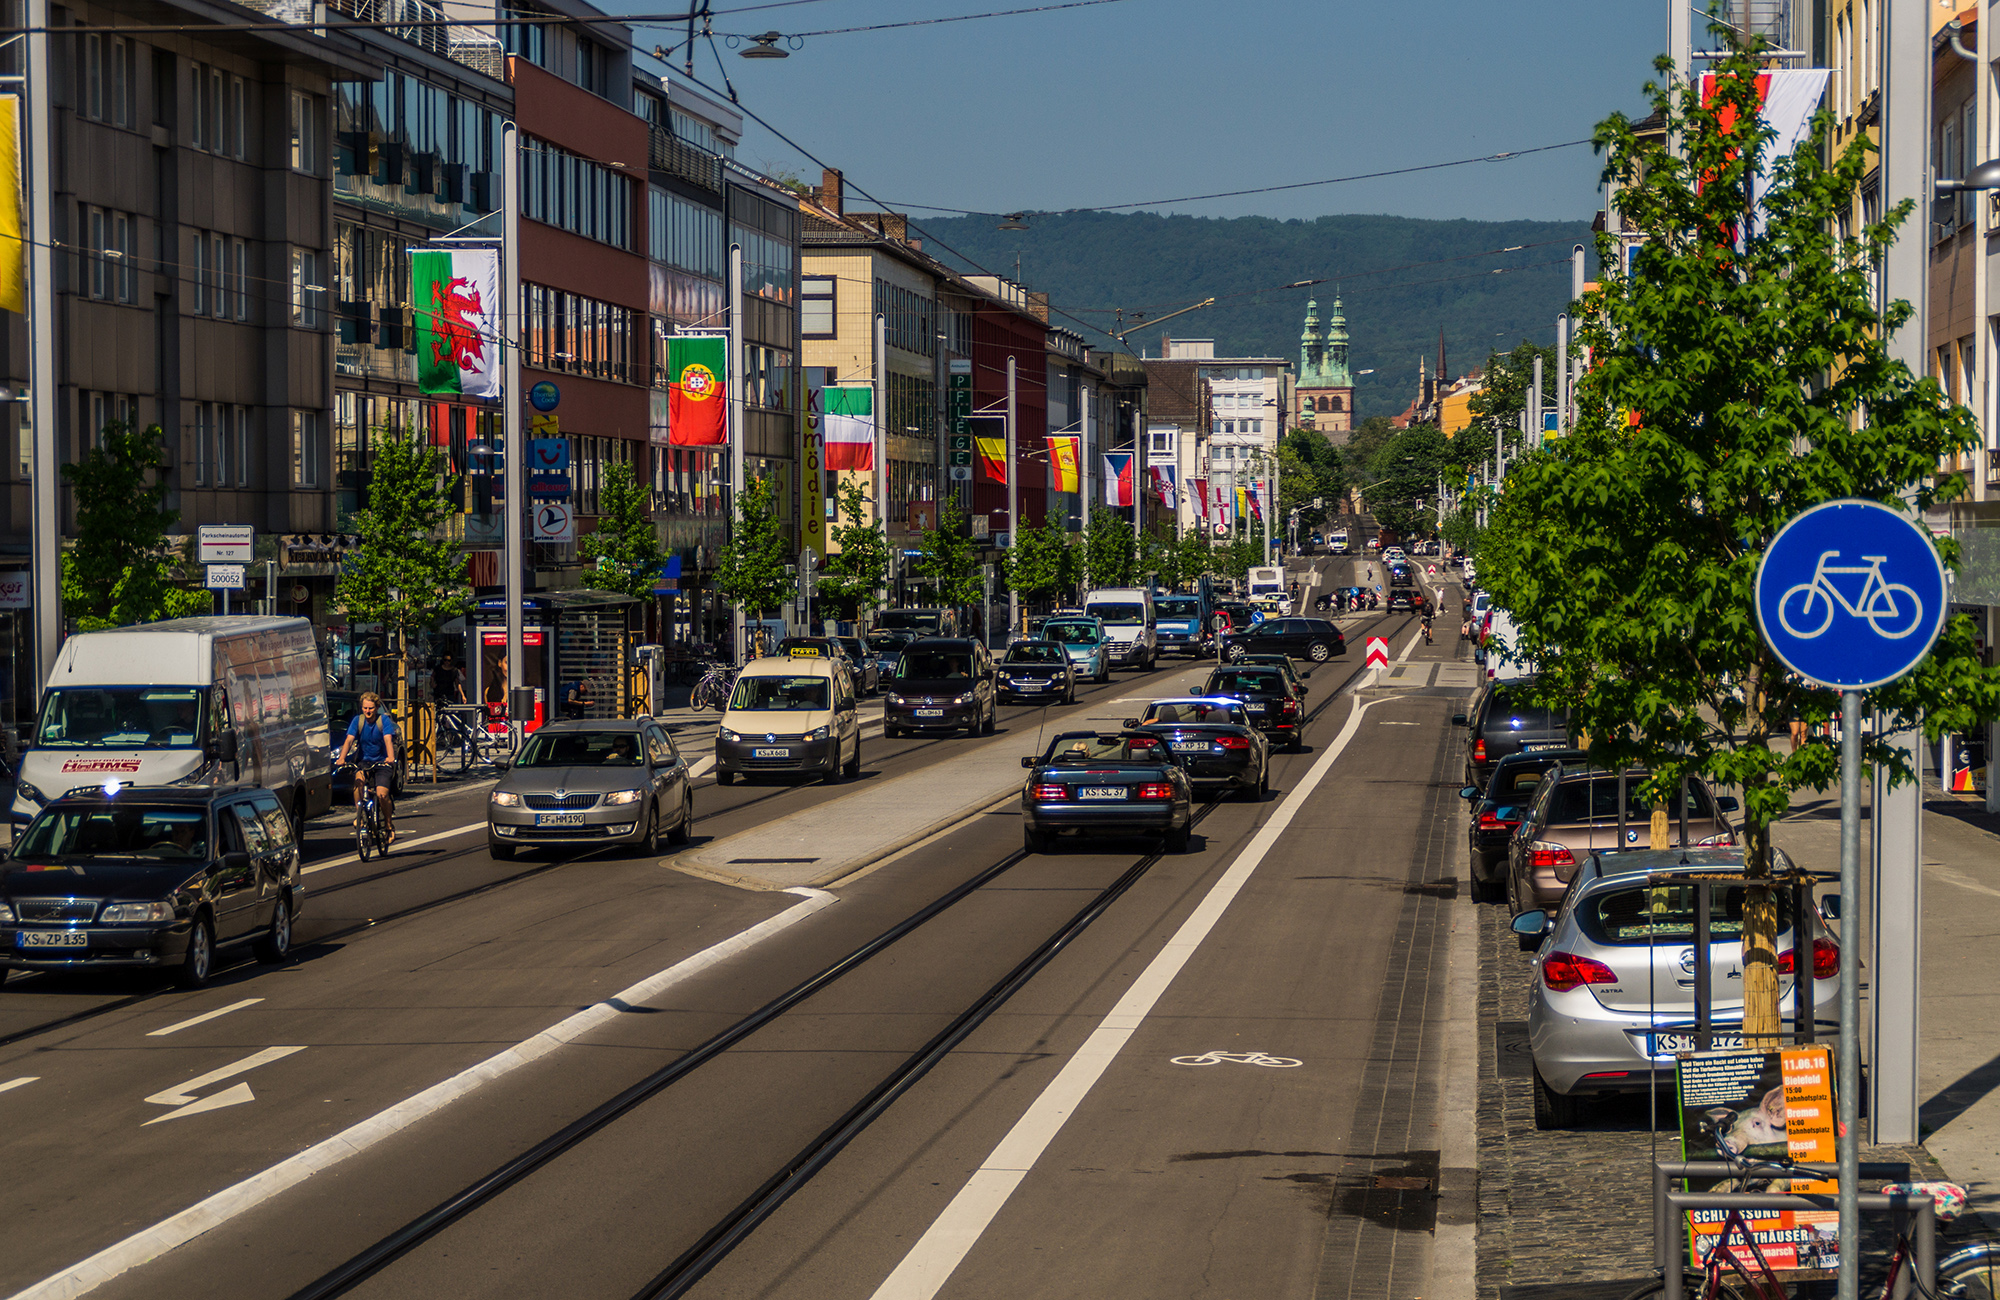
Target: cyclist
[[374, 733], [1427, 627]]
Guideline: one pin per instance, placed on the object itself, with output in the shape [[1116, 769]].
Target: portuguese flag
[[457, 298], [698, 390]]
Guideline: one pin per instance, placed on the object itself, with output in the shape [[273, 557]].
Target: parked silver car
[[583, 783], [1613, 996]]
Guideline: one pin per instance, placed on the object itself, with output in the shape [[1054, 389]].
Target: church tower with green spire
[[1325, 393]]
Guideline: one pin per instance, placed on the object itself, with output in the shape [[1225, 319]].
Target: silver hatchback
[[1614, 974], [587, 783]]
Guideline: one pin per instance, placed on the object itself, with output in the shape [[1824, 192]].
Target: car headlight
[[728, 735], [6, 914], [1006, 677], [817, 733], [895, 699], [624, 796], [964, 699], [506, 799], [31, 792], [137, 912]]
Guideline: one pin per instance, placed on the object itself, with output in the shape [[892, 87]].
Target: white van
[[1267, 589], [790, 715], [193, 701], [1502, 664], [1130, 629]]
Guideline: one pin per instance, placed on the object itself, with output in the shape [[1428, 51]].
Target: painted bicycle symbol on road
[[1240, 1058], [1892, 609]]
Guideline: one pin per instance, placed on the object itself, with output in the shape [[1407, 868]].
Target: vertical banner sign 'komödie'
[[698, 393], [13, 249], [457, 297]]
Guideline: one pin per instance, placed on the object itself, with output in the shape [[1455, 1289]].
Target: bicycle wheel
[[1909, 605], [1972, 1273], [1806, 630], [364, 839], [1727, 1288], [467, 748]]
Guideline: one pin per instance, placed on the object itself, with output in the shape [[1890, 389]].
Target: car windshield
[[1596, 799], [120, 717], [935, 666], [1035, 654], [1514, 783], [909, 618], [852, 644], [1180, 607], [1664, 914], [1245, 679], [1070, 633], [1511, 711], [777, 694], [124, 831], [1118, 614], [580, 749], [1072, 751], [880, 641], [1195, 712]]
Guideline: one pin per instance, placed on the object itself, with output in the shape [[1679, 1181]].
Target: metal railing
[[676, 157]]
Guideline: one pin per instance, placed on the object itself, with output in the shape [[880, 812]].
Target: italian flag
[[457, 299], [698, 390], [849, 428]]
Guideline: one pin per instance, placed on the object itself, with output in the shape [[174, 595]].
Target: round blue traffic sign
[[1851, 594], [544, 396]]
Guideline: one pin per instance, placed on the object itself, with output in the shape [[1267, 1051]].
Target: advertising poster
[[1762, 1105]]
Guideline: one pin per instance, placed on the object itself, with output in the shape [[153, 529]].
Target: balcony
[[467, 46], [676, 157]]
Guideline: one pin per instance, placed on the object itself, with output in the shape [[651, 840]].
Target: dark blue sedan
[[1093, 783]]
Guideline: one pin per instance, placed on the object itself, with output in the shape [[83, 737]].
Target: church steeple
[[1336, 341], [1323, 357]]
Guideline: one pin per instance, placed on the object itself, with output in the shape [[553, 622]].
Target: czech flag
[[1118, 478], [1065, 463], [993, 456]]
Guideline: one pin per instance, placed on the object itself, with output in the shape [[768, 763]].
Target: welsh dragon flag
[[457, 299], [848, 434]]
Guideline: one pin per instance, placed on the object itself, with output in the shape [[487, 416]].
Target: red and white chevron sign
[[1378, 652]]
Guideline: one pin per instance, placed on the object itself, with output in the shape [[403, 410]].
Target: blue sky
[[1142, 100]]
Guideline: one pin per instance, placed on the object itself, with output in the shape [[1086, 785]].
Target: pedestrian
[[577, 699], [447, 683]]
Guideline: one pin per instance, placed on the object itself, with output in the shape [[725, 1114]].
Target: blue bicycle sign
[[1851, 594]]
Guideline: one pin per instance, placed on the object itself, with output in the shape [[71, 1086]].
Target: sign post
[[1851, 594], [1378, 655]]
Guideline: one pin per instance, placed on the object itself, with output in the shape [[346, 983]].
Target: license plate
[[930, 713], [1254, 708], [770, 753], [1100, 792], [559, 819], [52, 939], [1673, 1044], [1028, 686], [1190, 747], [1536, 746]]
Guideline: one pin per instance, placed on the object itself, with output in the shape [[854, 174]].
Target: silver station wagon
[[584, 783]]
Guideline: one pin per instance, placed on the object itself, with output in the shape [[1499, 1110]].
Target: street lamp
[[766, 47]]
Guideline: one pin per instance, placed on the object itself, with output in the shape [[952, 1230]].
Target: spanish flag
[[1064, 455], [993, 455], [13, 251]]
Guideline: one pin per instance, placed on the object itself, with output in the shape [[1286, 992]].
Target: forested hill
[[1400, 279]]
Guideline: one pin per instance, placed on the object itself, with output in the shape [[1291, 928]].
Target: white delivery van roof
[[155, 654]]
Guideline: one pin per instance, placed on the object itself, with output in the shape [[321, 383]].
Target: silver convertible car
[[592, 782], [1613, 997]]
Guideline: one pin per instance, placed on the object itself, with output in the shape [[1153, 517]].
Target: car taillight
[[1724, 841], [1563, 971], [1826, 960], [1233, 742], [1479, 751], [1051, 793], [1156, 790], [1489, 822], [1542, 853], [1291, 708]]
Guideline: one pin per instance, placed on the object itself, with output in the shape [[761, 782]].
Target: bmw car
[[1214, 740], [1117, 783]]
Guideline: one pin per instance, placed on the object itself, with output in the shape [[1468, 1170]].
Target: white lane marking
[[185, 1093], [1399, 724], [204, 1016], [1415, 637], [151, 1243], [235, 1096], [946, 1243], [331, 863], [21, 1082]]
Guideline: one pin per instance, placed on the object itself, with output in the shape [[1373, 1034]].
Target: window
[[908, 317], [203, 437], [239, 277], [560, 189], [234, 129], [106, 409], [816, 306], [198, 276], [218, 254], [308, 450], [578, 335], [93, 76], [242, 432], [685, 235], [225, 446], [1160, 442], [308, 290], [97, 276], [124, 274], [305, 133]]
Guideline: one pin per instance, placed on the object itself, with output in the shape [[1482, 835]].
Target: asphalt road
[[419, 967]]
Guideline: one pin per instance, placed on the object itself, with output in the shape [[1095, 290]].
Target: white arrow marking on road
[[183, 1095], [206, 1015], [235, 1096], [21, 1082]]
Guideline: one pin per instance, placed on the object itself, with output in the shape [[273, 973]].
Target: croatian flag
[[1163, 485], [1118, 478]]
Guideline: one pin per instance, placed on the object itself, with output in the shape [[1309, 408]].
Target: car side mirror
[[1131, 722], [1468, 792], [225, 747], [236, 862], [1727, 802], [1829, 907], [1458, 719], [1533, 923], [1028, 761]]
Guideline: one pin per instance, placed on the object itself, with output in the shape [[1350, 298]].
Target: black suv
[[941, 684], [150, 877], [1317, 639], [1504, 722]]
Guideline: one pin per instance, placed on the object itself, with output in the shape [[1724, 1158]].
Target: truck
[[1336, 542], [1130, 629], [188, 702], [1267, 589], [1181, 623]]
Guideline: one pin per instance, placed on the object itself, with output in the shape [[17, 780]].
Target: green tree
[[1364, 444], [1310, 469], [1196, 555], [855, 575], [1039, 565], [750, 572], [948, 560], [624, 549], [1236, 557], [408, 572], [121, 570], [1108, 549], [1404, 472], [1497, 406], [1628, 552]]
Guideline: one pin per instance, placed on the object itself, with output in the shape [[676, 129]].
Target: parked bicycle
[[371, 836], [712, 691], [462, 732]]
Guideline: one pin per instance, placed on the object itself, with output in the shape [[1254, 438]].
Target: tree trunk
[[1761, 1022]]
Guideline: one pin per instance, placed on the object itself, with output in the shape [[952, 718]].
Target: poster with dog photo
[[1762, 1106]]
